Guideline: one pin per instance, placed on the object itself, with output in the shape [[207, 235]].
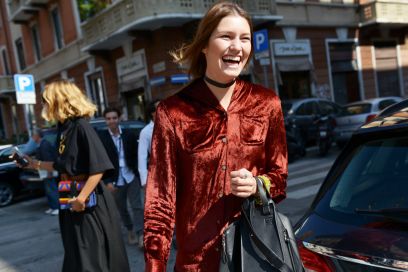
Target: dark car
[[11, 184], [305, 112], [359, 219]]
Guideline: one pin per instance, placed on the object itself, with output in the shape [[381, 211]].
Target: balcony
[[389, 12], [335, 13], [21, 11], [107, 29]]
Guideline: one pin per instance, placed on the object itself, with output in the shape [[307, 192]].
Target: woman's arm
[[276, 155], [78, 203]]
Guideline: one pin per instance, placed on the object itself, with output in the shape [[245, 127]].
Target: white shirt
[[143, 152], [125, 173]]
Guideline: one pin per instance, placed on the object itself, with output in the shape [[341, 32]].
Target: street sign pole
[[261, 50], [25, 94]]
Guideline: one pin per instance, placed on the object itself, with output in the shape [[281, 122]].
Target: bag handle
[[270, 256]]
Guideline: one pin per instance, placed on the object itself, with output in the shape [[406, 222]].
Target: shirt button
[[224, 167], [220, 194], [216, 249], [218, 222], [224, 140]]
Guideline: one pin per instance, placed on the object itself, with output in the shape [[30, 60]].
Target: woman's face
[[228, 48]]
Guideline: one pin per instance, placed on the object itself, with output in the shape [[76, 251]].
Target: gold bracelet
[[38, 165]]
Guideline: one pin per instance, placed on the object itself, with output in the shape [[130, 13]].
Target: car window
[[306, 108], [375, 178], [327, 108], [357, 109], [385, 103]]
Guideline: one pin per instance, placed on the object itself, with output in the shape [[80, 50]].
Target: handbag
[[68, 189], [261, 240]]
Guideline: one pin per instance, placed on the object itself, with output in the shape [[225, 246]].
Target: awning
[[294, 65]]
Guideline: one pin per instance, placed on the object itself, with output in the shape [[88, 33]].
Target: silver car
[[358, 113]]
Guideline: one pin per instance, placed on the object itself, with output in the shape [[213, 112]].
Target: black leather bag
[[262, 240]]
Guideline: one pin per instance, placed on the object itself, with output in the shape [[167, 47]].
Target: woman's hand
[[77, 204], [243, 183]]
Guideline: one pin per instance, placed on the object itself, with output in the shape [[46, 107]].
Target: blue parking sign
[[261, 41], [25, 88]]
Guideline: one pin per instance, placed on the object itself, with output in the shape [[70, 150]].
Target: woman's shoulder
[[261, 93]]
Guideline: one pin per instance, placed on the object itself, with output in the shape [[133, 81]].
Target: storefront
[[344, 70], [133, 85], [293, 68]]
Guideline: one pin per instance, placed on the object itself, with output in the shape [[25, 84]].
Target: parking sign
[[261, 44], [25, 89]]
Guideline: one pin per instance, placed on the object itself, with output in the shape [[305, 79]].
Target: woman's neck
[[223, 95]]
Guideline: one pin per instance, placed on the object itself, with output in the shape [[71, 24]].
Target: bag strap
[[270, 256]]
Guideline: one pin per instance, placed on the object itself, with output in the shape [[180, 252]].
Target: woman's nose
[[236, 44]]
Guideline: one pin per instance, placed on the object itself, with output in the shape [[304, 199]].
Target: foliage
[[88, 8]]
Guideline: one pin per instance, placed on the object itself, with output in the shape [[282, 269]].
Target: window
[[386, 59], [373, 177], [327, 108], [20, 53], [36, 42], [308, 108], [97, 92], [56, 21], [385, 103], [6, 67]]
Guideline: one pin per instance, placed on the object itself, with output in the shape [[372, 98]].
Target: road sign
[[261, 40], [25, 89]]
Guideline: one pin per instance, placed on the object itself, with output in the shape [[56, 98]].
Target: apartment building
[[343, 50]]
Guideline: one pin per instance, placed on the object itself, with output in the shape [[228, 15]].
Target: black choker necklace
[[218, 84]]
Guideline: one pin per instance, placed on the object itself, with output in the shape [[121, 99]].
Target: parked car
[[305, 112], [11, 184], [358, 113], [358, 220]]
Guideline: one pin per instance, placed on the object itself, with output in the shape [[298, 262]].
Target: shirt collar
[[111, 134], [199, 91]]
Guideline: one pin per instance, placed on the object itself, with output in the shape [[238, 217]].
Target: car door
[[306, 115]]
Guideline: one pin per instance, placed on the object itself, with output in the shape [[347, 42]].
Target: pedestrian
[[91, 238], [47, 152], [209, 141], [124, 183], [145, 142]]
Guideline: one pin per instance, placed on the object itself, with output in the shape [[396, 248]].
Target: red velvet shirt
[[195, 146]]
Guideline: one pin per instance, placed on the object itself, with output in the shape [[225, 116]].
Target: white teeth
[[227, 58]]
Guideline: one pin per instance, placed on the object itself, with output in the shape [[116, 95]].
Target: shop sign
[[179, 78], [128, 65], [159, 67], [291, 49], [156, 81]]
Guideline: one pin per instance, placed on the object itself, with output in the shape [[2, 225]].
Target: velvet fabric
[[195, 146]]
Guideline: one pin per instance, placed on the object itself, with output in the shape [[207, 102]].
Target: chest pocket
[[198, 135], [253, 129]]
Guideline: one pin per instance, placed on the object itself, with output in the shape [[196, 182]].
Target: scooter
[[325, 133], [294, 142]]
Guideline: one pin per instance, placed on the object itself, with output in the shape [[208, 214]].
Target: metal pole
[[265, 74]]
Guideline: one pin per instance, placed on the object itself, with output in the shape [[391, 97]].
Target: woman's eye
[[246, 38]]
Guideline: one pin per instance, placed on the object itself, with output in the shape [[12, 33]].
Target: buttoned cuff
[[153, 265]]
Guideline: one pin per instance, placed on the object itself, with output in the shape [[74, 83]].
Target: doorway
[[295, 85]]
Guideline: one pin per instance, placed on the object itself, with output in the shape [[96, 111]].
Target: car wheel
[[6, 194]]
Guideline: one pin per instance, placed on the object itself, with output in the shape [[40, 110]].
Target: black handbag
[[261, 240]]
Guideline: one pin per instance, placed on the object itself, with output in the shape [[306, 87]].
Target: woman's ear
[[204, 50]]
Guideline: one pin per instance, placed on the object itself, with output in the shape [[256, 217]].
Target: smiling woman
[[210, 140]]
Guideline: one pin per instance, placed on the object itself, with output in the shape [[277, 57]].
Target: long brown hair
[[63, 99], [191, 54]]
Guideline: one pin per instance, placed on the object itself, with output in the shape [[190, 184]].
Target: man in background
[[145, 142], [47, 152], [123, 182]]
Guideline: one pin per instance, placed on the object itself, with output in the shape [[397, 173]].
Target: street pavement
[[30, 240]]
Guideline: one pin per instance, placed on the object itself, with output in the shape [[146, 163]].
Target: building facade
[[118, 51]]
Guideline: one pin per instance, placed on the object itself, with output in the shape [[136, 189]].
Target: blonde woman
[[90, 235]]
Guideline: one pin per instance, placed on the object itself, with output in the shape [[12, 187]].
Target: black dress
[[92, 239]]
